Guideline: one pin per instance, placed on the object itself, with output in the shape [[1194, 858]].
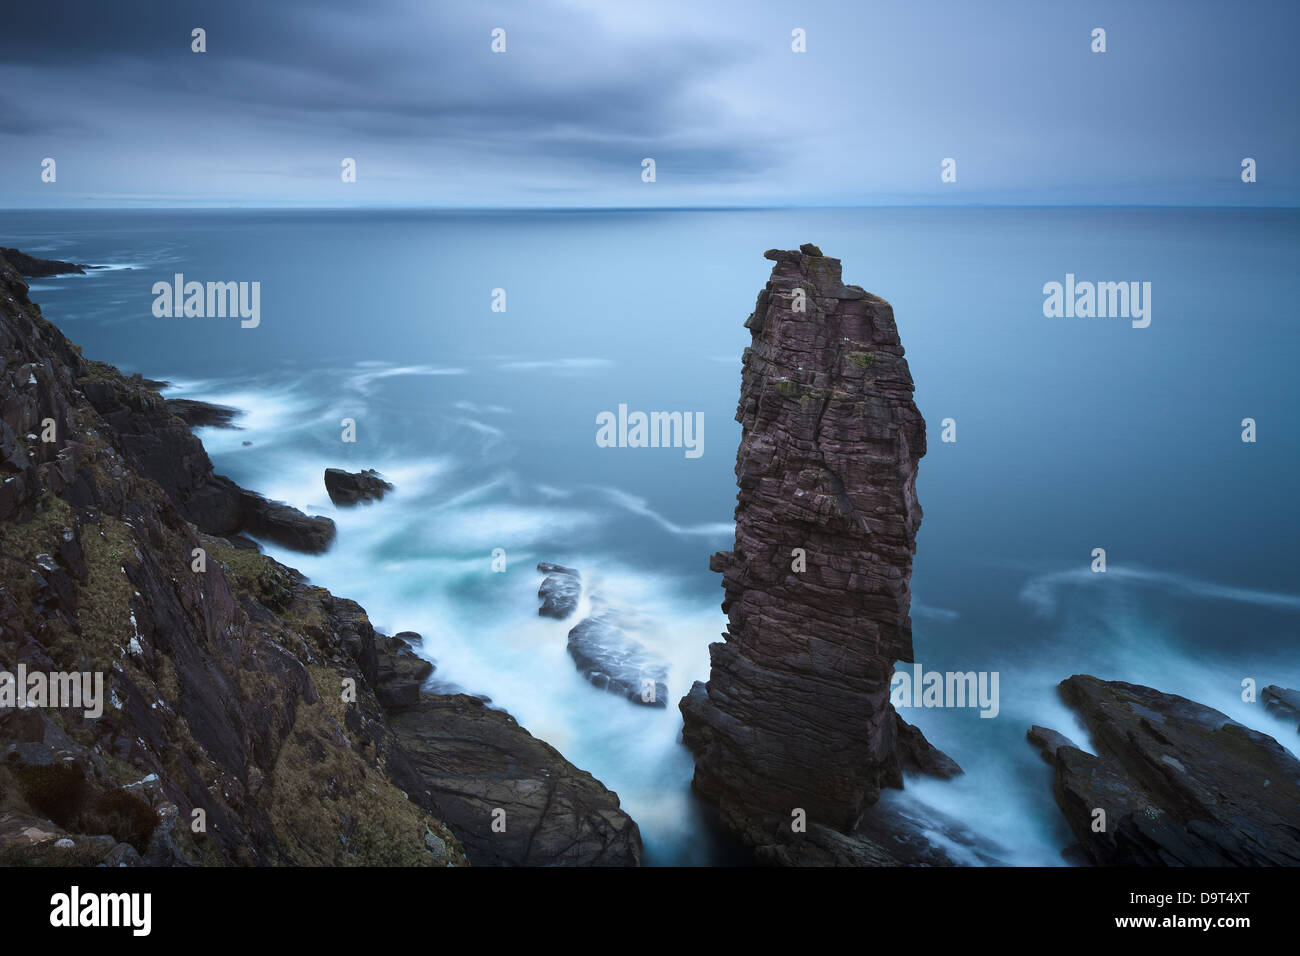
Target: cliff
[[233, 687], [796, 712]]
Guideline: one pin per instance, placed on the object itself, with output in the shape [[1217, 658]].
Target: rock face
[[226, 688], [1181, 783], [350, 488], [1282, 701], [560, 591], [796, 711], [35, 268], [613, 661], [399, 672], [473, 760], [200, 414]]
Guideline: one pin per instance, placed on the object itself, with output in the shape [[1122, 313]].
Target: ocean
[[1072, 434]]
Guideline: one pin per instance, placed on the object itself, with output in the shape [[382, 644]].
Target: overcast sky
[[710, 89]]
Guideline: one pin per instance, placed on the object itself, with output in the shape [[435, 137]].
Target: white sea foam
[[1042, 592], [640, 506]]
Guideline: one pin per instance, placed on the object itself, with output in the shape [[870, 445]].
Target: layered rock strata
[[1173, 782], [796, 712]]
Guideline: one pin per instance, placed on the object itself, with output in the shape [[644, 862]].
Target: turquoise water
[[1072, 434]]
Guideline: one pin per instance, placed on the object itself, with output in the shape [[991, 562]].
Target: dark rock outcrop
[[399, 672], [613, 661], [918, 755], [509, 797], [233, 686], [200, 414], [560, 590], [796, 712], [284, 524], [350, 488], [159, 445], [35, 268], [1180, 784], [1282, 701]]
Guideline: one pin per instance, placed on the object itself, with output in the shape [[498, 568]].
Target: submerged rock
[[796, 712], [1282, 701], [615, 662], [560, 590], [349, 488], [1181, 784]]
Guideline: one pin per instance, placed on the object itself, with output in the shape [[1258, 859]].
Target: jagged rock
[[917, 754], [1181, 784], [198, 414], [350, 488], [399, 672], [1282, 701], [612, 661], [473, 761], [35, 268], [1048, 742], [796, 711], [284, 524], [560, 590]]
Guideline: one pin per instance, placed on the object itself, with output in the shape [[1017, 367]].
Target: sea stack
[[796, 712]]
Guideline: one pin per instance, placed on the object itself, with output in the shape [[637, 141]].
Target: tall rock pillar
[[796, 712]]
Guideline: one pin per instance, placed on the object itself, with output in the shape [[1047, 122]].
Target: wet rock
[[1282, 702], [1181, 784], [350, 488], [202, 414], [918, 755], [284, 524], [399, 673], [560, 590], [613, 661], [1047, 741]]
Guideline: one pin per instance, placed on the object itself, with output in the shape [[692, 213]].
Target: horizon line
[[676, 208]]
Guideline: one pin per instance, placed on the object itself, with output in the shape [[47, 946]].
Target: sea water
[[1071, 434]]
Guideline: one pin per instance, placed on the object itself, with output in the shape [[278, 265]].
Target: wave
[[363, 381], [561, 364], [1041, 593], [640, 506]]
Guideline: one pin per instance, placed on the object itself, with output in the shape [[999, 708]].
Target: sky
[[711, 90]]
